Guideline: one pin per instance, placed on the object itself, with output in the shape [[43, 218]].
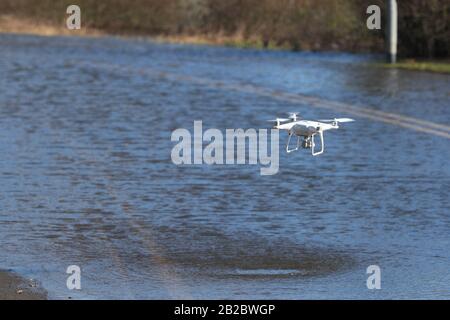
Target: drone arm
[[321, 143]]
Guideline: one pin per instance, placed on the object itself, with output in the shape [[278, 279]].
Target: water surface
[[87, 178]]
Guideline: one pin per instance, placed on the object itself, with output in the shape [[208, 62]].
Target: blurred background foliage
[[292, 24]]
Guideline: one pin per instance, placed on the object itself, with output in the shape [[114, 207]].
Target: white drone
[[307, 130]]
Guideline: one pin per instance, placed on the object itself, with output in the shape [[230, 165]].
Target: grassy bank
[[430, 66], [12, 24]]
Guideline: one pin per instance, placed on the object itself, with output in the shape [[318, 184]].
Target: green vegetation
[[431, 66], [287, 24]]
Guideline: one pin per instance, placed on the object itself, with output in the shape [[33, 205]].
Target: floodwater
[[87, 178]]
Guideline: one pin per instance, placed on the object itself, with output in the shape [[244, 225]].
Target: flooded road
[[87, 177]]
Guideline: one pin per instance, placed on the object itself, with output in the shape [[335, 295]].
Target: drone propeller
[[293, 115], [337, 120], [278, 120]]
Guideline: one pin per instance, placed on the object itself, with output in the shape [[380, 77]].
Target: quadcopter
[[307, 130]]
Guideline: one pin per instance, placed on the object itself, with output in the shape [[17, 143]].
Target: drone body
[[307, 129]]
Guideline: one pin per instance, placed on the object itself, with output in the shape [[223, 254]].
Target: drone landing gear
[[322, 144], [288, 142], [307, 143]]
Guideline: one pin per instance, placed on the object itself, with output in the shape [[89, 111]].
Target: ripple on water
[[213, 253]]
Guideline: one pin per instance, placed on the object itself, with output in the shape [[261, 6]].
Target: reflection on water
[[87, 179]]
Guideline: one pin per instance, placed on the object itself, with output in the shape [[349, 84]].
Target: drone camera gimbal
[[307, 143]]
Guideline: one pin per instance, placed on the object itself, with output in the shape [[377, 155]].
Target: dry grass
[[11, 24], [236, 40]]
